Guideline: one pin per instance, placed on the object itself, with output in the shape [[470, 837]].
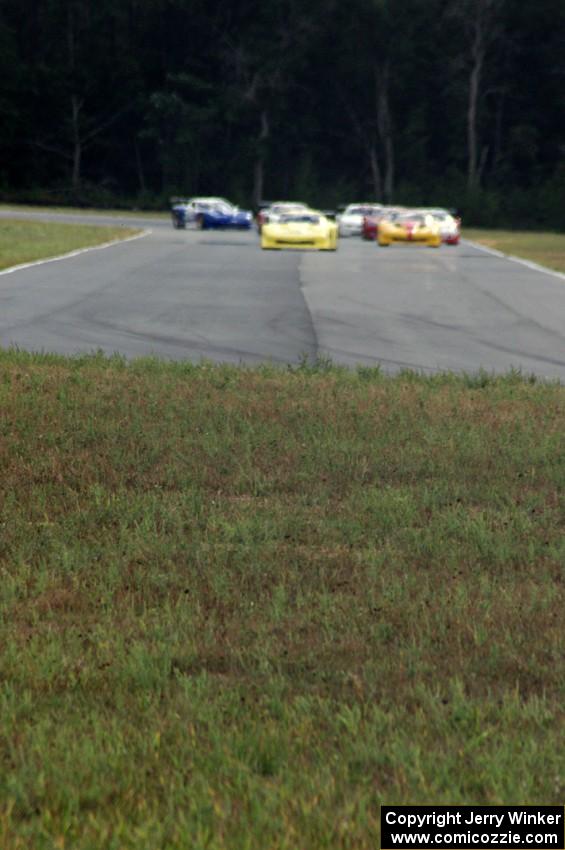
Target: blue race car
[[209, 213]]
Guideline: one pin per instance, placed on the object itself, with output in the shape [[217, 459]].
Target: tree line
[[127, 102]]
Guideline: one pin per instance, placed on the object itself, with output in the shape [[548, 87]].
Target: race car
[[409, 227], [302, 229], [184, 211], [209, 213], [273, 211], [370, 226], [449, 226], [350, 221]]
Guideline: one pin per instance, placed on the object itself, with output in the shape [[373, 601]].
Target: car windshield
[[360, 210], [406, 218], [287, 208], [299, 218], [224, 209]]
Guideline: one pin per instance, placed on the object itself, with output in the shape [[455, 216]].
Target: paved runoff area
[[216, 296]]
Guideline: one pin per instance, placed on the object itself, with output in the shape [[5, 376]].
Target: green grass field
[[547, 249], [24, 241], [242, 608]]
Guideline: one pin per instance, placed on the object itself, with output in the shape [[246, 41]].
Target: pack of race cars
[[385, 225], [295, 225]]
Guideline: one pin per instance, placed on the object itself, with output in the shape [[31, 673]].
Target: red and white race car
[[449, 225], [370, 227]]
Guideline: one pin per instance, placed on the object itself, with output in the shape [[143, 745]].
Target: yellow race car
[[301, 229], [416, 228]]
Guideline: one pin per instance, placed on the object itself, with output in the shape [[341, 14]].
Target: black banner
[[473, 827]]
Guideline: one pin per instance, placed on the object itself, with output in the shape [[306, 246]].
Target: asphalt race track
[[216, 296]]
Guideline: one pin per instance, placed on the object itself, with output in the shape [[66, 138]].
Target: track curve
[[217, 296]]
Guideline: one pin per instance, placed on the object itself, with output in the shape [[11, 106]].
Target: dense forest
[[127, 102]]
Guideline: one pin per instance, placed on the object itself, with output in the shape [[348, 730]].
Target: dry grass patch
[[546, 249]]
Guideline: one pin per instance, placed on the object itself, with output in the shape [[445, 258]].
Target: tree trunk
[[77, 155], [389, 172], [77, 144], [499, 124], [482, 32], [384, 124], [368, 140], [472, 121], [259, 167], [139, 168], [258, 181], [375, 173], [482, 163]]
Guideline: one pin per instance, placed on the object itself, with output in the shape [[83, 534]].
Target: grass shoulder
[[25, 241], [546, 249], [90, 211], [244, 607]]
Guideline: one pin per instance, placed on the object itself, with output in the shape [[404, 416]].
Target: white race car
[[274, 211], [350, 222], [184, 212]]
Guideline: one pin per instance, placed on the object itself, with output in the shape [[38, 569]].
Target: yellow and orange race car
[[410, 227], [301, 229]]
